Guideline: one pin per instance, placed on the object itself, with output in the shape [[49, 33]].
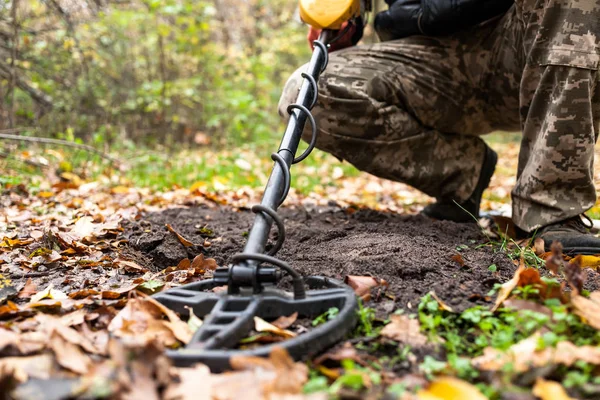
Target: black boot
[[448, 210], [573, 234]]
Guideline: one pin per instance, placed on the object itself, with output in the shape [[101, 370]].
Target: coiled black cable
[[297, 281]]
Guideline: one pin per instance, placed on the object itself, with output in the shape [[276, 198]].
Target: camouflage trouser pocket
[[568, 57]]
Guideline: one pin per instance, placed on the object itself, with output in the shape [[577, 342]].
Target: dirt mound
[[413, 253]]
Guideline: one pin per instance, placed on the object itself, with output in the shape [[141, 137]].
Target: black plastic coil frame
[[269, 258]]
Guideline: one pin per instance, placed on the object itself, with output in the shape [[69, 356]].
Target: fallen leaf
[[405, 330], [191, 384], [362, 285], [538, 246], [443, 305], [549, 390], [449, 388], [507, 288], [12, 243], [69, 355], [181, 239], [592, 262], [7, 290], [459, 259], [201, 265], [344, 352], [36, 235], [48, 293], [129, 265], [260, 325], [28, 290], [518, 304], [82, 294], [525, 355], [142, 320], [289, 378], [284, 322], [588, 309]]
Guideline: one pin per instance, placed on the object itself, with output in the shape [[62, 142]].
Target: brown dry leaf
[[459, 259], [449, 388], [538, 246], [345, 352], [82, 294], [129, 265], [184, 264], [260, 325], [23, 368], [284, 322], [405, 330], [289, 378], [36, 235], [549, 390], [443, 305], [362, 285], [519, 304], [142, 320], [110, 295], [201, 265], [69, 355], [507, 288], [190, 384], [28, 290], [524, 355], [588, 309], [181, 239]]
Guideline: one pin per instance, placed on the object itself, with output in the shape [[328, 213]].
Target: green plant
[[326, 316]]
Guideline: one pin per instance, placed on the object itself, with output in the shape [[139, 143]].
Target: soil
[[414, 254]]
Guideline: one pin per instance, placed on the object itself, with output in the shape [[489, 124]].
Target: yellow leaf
[[587, 261], [549, 390], [45, 195], [260, 325], [448, 388], [197, 186], [119, 190]]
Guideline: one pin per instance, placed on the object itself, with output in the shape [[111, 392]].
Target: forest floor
[[447, 309]]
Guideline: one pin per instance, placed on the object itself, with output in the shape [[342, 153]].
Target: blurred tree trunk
[[13, 64]]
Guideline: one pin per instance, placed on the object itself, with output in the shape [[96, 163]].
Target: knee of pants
[[290, 91]]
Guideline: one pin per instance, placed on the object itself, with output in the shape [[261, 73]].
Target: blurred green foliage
[[171, 72]]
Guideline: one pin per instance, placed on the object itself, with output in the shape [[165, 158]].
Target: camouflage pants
[[412, 110]]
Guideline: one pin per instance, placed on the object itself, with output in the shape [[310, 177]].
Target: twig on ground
[[60, 142]]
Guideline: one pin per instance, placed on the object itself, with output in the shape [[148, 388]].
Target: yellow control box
[[328, 14]]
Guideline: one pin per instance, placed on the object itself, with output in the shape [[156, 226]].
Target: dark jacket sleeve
[[435, 17]]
